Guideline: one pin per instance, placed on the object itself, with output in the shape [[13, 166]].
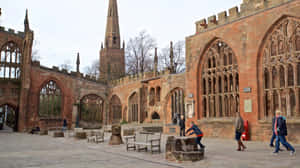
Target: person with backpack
[[239, 129], [198, 133]]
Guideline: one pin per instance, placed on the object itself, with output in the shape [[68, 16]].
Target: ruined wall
[[244, 32], [73, 90]]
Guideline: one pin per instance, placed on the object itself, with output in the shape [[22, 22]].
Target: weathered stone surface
[[183, 149], [116, 138]]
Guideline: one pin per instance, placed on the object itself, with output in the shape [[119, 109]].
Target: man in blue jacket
[[198, 133], [280, 130]]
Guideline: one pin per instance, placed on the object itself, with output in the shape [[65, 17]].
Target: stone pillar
[[297, 94], [272, 106]]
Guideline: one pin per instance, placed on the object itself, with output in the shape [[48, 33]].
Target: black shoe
[[271, 145]]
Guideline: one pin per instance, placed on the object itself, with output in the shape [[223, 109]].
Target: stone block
[[222, 16], [234, 12]]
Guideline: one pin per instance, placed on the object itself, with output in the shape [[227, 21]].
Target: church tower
[[112, 56]]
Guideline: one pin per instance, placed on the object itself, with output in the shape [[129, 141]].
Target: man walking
[[198, 133], [239, 129], [280, 130]]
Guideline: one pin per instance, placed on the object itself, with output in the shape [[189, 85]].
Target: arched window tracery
[[50, 100], [10, 56], [283, 61], [221, 97]]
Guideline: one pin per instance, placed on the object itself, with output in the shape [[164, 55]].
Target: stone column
[[297, 92]]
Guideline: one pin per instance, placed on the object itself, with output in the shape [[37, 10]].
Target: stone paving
[[33, 151]]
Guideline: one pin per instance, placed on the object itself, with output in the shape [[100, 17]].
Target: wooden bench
[[143, 140]]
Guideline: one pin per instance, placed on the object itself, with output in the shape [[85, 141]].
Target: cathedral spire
[[26, 22], [112, 36], [171, 57], [77, 63]]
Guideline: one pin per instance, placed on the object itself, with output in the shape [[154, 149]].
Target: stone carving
[[282, 85], [220, 81]]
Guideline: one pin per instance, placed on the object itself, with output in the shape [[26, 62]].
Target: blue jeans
[[273, 138], [198, 140], [283, 141]]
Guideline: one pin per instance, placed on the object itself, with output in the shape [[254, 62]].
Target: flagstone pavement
[[19, 150]]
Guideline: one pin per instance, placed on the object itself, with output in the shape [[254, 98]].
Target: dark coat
[[281, 126], [196, 131], [65, 124], [182, 123]]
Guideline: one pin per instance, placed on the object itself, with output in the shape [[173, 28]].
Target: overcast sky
[[64, 27]]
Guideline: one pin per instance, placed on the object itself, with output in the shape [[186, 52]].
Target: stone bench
[[143, 141]]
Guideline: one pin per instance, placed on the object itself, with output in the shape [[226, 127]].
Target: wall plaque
[[248, 106], [247, 90]]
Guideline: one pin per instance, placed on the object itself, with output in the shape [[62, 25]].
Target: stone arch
[[155, 116], [115, 109], [50, 100], [91, 111], [282, 60], [218, 85], [9, 115], [174, 106]]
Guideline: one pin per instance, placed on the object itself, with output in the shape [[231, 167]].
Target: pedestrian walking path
[[33, 151]]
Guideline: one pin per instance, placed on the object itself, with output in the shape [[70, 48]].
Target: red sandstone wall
[[249, 31], [73, 90]]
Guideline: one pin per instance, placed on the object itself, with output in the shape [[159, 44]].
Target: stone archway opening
[[91, 111], [155, 116], [8, 118]]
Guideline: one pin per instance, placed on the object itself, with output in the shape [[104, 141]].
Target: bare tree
[[93, 70], [66, 65], [179, 57], [139, 53]]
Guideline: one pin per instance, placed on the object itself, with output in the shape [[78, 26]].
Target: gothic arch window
[[133, 107], [152, 97], [274, 77], [281, 76], [50, 101], [290, 75], [158, 94], [155, 116], [283, 61], [221, 97], [266, 78], [204, 86], [298, 73], [115, 109], [91, 108], [204, 107], [298, 43], [237, 82], [10, 57], [177, 104], [292, 110]]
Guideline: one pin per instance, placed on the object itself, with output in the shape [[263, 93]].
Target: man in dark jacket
[[182, 126], [280, 130], [198, 133]]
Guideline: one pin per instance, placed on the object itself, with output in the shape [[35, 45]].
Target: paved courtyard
[[33, 151]]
